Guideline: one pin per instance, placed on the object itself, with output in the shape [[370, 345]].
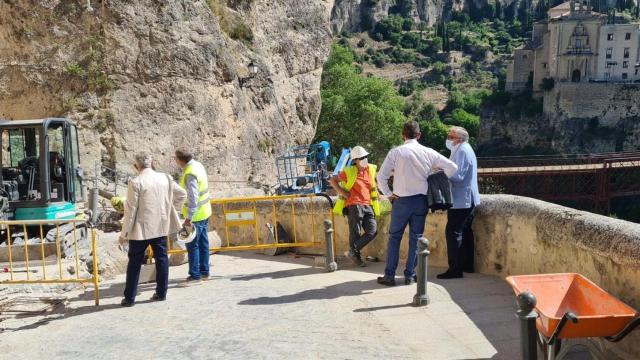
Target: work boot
[[383, 280], [355, 259], [410, 280]]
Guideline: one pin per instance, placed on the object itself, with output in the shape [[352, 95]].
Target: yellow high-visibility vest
[[204, 207], [352, 175]]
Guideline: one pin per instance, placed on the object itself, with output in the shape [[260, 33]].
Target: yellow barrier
[[37, 228], [243, 212]]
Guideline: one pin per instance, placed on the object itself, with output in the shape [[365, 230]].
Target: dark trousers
[[412, 211], [136, 257], [460, 241], [361, 217]]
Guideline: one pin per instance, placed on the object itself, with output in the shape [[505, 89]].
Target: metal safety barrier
[[251, 214], [48, 252]]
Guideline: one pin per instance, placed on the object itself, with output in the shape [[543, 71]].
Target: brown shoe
[[355, 259]]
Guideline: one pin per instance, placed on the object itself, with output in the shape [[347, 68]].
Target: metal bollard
[[421, 298], [330, 260], [93, 204], [528, 333]]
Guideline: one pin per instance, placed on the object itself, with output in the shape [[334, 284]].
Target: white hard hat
[[186, 234], [358, 152]]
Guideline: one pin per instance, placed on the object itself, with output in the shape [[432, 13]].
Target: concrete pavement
[[281, 307]]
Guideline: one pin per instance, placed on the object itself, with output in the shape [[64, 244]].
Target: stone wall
[[514, 235], [607, 101], [577, 118]]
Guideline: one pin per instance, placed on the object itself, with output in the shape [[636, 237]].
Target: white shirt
[[411, 164]]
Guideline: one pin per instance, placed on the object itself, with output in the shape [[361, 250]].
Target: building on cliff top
[[575, 44]]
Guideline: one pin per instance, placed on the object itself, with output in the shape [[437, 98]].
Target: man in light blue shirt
[[464, 189], [411, 164]]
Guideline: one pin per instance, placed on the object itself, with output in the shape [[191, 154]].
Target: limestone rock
[[153, 76]]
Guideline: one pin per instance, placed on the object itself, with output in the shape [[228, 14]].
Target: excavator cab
[[41, 173]]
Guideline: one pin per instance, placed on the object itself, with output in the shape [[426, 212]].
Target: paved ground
[[260, 307]]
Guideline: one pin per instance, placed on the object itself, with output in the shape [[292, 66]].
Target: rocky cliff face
[[156, 75], [361, 15], [577, 118]]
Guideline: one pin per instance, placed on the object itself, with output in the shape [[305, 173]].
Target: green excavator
[[42, 177]]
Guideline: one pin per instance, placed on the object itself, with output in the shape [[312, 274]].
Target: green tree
[[434, 134], [389, 25], [471, 122], [358, 110]]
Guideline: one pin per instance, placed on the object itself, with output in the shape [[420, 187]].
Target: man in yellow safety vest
[[196, 213], [359, 199]]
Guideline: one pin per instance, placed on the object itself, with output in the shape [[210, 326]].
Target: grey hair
[[144, 160], [461, 132]]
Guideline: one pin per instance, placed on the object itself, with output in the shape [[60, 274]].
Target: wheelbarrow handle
[[556, 333], [627, 329]]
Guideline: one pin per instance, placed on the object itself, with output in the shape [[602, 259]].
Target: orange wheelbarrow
[[563, 306]]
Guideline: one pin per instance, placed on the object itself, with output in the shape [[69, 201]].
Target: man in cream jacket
[[150, 215]]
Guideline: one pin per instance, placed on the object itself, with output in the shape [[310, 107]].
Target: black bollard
[[421, 298], [330, 260], [528, 333]]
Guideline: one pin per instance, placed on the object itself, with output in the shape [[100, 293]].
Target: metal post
[[421, 298], [330, 261], [528, 333], [93, 204]]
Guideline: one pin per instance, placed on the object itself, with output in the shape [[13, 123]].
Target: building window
[[609, 53], [627, 36], [607, 75], [578, 44], [626, 53], [636, 71], [544, 65], [524, 56], [624, 75], [625, 64], [610, 37]]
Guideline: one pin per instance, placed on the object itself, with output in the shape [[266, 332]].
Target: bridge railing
[[551, 160], [588, 179]]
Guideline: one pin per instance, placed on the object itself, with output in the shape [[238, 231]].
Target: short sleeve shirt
[[360, 193]]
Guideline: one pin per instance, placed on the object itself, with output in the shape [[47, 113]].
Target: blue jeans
[[410, 210], [198, 250], [136, 257]]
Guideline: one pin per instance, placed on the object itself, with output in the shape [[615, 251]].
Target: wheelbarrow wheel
[[544, 348]]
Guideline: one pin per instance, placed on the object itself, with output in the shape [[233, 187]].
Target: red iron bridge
[[587, 181]]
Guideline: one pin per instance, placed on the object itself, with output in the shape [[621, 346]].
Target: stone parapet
[[514, 235]]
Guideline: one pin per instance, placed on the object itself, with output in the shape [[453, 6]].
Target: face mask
[[364, 162], [449, 144]]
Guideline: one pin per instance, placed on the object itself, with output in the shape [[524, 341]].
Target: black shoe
[[469, 270], [127, 303], [383, 280], [411, 280], [449, 275], [204, 276], [155, 297]]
